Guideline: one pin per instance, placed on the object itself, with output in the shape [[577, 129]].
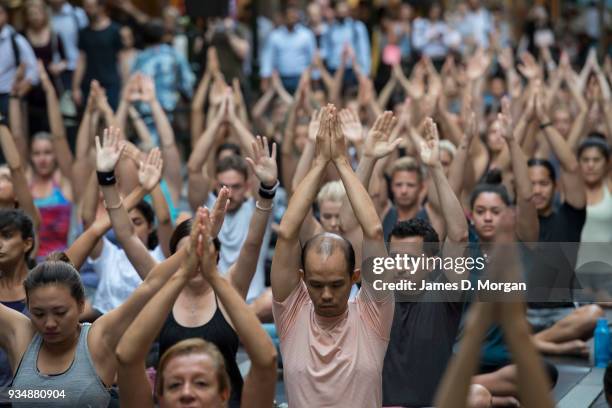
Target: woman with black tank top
[[197, 311], [192, 370]]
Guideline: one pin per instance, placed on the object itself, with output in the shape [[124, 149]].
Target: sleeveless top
[[596, 233], [55, 211], [598, 225], [80, 383], [6, 373], [217, 331]]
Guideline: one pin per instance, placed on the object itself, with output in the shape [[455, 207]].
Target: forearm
[[17, 129], [245, 136], [141, 128], [246, 265], [164, 221], [24, 196], [365, 169], [198, 187], [137, 339], [58, 134], [456, 173], [450, 207], [301, 201], [85, 243], [122, 224], [387, 91], [520, 170], [561, 149], [304, 164], [255, 340], [533, 383], [202, 149], [121, 115], [83, 136], [170, 152], [197, 109], [89, 201], [262, 103], [79, 72], [362, 205], [455, 384]]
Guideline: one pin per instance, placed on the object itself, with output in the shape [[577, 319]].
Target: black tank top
[[217, 331]]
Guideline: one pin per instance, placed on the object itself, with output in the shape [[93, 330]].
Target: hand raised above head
[[206, 247], [109, 150], [429, 149], [338, 139], [378, 143], [323, 139], [151, 170], [263, 163]]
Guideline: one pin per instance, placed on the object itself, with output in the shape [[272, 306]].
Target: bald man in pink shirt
[[332, 349]]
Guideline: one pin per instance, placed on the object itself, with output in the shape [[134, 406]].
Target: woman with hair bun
[[193, 370]]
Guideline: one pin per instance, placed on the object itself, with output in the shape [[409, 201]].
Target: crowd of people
[[148, 233]]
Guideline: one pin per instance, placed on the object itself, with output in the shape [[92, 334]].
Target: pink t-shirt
[[333, 362]]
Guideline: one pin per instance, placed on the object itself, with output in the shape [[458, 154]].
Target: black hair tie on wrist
[[106, 178], [266, 194]]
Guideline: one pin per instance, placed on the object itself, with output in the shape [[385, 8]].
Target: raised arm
[[571, 179], [20, 184], [264, 167], [16, 334], [450, 207], [170, 153], [199, 184], [303, 165], [15, 121], [107, 156], [133, 348], [528, 226], [286, 263], [88, 243], [107, 330], [58, 132], [360, 201], [259, 384], [244, 134]]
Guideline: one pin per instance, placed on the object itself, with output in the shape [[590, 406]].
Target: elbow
[[572, 167], [285, 232], [375, 232], [459, 235], [122, 355], [268, 358]]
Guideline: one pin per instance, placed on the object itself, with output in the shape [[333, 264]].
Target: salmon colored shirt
[[333, 362]]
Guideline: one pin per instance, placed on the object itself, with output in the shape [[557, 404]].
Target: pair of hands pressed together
[[378, 143]]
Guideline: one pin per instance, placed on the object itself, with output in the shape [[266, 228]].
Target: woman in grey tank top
[[51, 348]]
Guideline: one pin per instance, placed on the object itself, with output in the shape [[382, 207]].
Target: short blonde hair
[[449, 147], [193, 346], [410, 164], [331, 191]]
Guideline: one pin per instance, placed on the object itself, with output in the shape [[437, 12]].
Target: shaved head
[[325, 244]]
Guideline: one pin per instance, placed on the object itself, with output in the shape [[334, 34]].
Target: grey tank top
[[80, 384]]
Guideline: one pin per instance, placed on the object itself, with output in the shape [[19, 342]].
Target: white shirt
[[232, 236], [67, 23], [118, 278], [8, 62]]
